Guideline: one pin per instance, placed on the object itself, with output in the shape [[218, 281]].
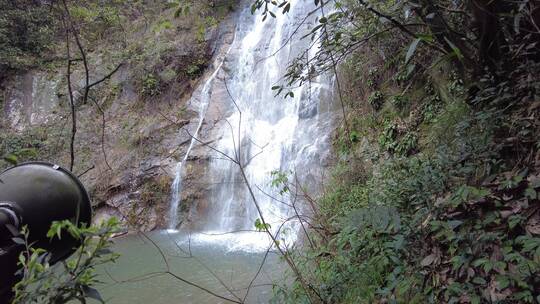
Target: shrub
[[376, 100], [26, 30], [71, 280], [150, 86], [399, 101]]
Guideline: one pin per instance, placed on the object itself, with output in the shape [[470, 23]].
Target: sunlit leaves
[[280, 180], [455, 49], [72, 279], [260, 226], [11, 158]]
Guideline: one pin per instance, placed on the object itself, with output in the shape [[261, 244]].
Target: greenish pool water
[[136, 278]]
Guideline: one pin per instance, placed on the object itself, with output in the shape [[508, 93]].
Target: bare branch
[[257, 274], [106, 76], [170, 273], [71, 97], [212, 148], [207, 269], [86, 171]]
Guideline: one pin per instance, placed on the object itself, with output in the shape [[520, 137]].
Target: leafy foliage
[[26, 146], [150, 86], [449, 214], [260, 226], [399, 101], [69, 280], [429, 228], [376, 100], [25, 33]]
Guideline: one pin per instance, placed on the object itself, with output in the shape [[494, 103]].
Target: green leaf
[[428, 260], [178, 12], [503, 282], [12, 159], [316, 29], [514, 220], [479, 262], [454, 224], [479, 281], [17, 240], [531, 193], [412, 50], [22, 259], [354, 136], [410, 69], [323, 20], [455, 49], [92, 293], [286, 8]]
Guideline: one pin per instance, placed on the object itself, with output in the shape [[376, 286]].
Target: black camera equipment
[[35, 194]]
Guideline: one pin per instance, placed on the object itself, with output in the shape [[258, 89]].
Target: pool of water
[[137, 276]]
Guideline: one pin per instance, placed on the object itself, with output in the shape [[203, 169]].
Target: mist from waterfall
[[266, 133]]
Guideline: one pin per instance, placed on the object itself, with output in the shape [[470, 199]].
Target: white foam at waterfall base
[[237, 241], [270, 133], [246, 241]]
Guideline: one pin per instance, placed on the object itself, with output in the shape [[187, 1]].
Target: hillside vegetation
[[145, 58], [435, 196]]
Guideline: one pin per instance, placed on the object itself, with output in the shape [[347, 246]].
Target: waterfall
[[176, 189], [269, 133]]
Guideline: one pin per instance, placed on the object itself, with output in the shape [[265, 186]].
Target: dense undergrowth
[[435, 196], [455, 222], [443, 210]]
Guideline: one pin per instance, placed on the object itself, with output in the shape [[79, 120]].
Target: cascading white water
[[176, 189], [267, 133]]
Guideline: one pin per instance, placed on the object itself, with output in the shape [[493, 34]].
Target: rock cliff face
[[129, 136]]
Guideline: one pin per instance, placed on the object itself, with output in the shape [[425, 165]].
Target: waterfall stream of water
[[176, 190], [267, 133]]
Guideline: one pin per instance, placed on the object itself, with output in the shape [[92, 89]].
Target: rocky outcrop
[[128, 140]]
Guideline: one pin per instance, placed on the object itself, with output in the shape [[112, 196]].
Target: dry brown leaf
[[533, 224], [428, 260]]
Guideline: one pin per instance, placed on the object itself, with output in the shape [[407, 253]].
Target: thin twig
[[106, 76], [169, 272], [86, 171], [71, 98], [257, 274]]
